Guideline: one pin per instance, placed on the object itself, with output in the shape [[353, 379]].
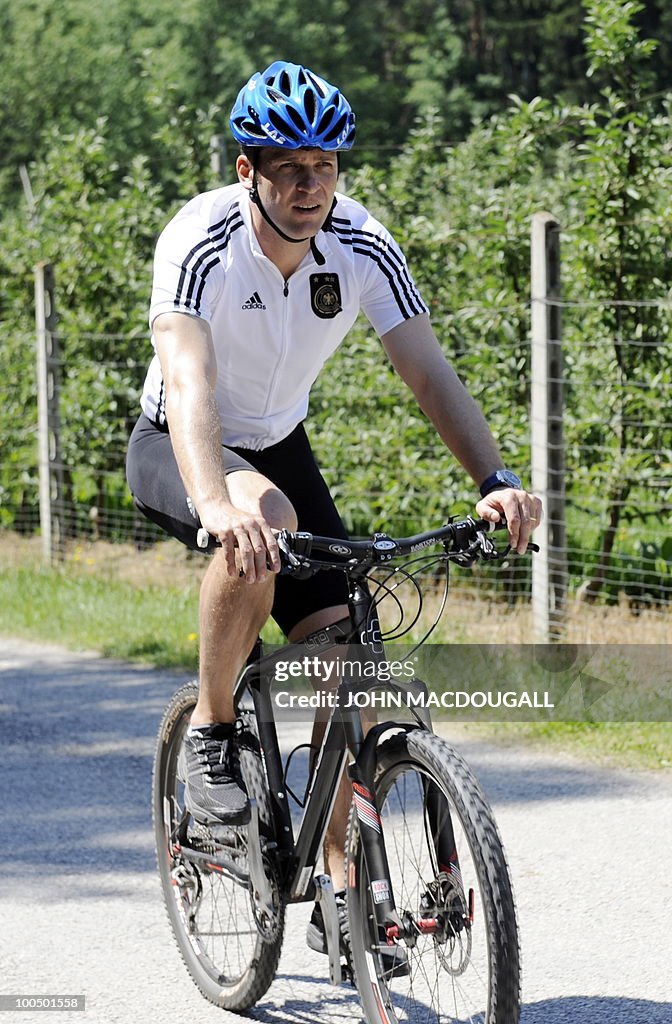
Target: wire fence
[[386, 466]]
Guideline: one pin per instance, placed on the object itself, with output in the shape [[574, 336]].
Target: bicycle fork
[[360, 773], [429, 917], [375, 856]]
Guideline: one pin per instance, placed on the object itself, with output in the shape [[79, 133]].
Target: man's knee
[[256, 494], [278, 511]]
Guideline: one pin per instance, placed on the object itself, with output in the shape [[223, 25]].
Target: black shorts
[[158, 492]]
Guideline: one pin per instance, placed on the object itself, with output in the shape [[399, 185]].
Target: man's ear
[[245, 171]]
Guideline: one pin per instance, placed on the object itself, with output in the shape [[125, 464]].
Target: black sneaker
[[213, 791], [393, 963], [315, 934]]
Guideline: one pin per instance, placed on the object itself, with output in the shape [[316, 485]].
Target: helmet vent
[[251, 128], [285, 84], [336, 129], [282, 126], [325, 122], [309, 104], [295, 117]]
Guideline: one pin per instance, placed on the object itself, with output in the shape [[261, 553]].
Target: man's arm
[[417, 357], [188, 364]]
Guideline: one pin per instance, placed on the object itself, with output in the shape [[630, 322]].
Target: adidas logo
[[254, 302]]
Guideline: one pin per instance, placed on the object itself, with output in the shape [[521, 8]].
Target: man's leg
[[303, 606], [232, 612]]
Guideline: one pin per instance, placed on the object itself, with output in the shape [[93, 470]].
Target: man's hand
[[521, 510], [248, 542]]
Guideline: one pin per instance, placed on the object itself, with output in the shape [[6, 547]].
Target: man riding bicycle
[[255, 285]]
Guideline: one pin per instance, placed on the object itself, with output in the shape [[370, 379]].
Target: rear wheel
[[230, 945], [452, 892]]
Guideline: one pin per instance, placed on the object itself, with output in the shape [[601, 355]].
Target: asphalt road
[[590, 852]]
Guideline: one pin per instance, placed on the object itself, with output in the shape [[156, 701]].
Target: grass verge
[[623, 745], [155, 624]]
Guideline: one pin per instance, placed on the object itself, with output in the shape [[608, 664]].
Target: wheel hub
[[446, 917]]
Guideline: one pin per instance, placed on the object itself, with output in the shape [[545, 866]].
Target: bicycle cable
[[423, 563]]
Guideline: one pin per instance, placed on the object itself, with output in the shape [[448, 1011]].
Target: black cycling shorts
[[158, 492]]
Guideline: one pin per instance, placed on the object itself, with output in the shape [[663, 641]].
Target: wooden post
[[549, 566], [218, 157], [48, 367]]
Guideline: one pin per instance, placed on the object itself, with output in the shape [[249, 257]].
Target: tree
[[619, 198], [99, 233]]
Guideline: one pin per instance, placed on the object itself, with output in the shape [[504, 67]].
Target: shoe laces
[[216, 752]]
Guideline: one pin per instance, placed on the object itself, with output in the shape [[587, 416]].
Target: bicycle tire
[[467, 973], [211, 914]]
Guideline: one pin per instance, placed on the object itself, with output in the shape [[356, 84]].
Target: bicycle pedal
[[326, 899]]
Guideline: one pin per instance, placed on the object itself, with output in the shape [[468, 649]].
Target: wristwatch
[[500, 478]]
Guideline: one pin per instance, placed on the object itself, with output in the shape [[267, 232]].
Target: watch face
[[500, 478], [506, 476]]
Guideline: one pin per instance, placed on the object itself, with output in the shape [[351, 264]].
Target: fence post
[[48, 366], [549, 566], [218, 156]]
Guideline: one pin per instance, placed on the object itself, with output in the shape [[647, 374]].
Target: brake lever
[[493, 555], [488, 550], [292, 564], [484, 548], [467, 556]]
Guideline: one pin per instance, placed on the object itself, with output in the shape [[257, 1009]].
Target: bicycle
[[427, 878]]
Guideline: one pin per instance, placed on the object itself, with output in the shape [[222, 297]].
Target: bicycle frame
[[396, 769], [344, 732]]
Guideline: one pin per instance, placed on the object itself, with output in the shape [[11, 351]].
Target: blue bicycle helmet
[[291, 107]]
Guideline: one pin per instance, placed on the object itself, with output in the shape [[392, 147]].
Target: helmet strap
[[256, 199]]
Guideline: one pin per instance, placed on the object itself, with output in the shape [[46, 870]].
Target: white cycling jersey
[[272, 336]]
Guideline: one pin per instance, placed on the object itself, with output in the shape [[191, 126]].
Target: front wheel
[[230, 947], [458, 937]]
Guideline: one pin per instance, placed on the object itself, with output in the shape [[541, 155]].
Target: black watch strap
[[499, 479]]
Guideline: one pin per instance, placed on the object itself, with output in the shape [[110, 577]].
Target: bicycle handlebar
[[381, 547], [464, 541]]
